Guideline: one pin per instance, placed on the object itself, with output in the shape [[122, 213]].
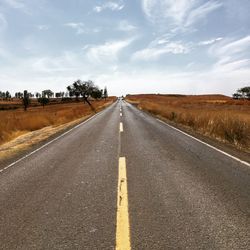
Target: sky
[[130, 46]]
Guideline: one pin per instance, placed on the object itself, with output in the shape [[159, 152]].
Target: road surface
[[125, 180]]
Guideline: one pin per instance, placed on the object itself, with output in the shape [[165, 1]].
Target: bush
[[43, 100]]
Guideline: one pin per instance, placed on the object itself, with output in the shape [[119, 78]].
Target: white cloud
[[237, 46], [181, 13], [36, 73], [96, 30], [16, 4], [159, 47], [22, 5], [4, 54], [231, 54], [200, 12], [175, 10], [211, 41], [3, 22], [229, 66], [29, 7], [42, 27], [67, 61], [111, 5], [85, 47], [79, 27], [56, 72], [108, 51], [179, 82], [40, 63], [238, 11], [231, 48], [124, 25], [98, 9]]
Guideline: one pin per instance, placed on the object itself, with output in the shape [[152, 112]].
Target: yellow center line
[[121, 127], [122, 217]]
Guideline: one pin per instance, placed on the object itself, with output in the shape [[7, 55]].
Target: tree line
[[80, 90], [242, 93], [5, 95]]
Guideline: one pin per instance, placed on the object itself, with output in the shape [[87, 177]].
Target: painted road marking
[[122, 216], [48, 143], [208, 145], [121, 127], [120, 114]]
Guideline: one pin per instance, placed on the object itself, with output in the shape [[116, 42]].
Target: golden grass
[[28, 139], [215, 116], [14, 123]]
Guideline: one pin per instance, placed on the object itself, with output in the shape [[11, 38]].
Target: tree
[[97, 93], [105, 93], [59, 94], [47, 93], [43, 101], [7, 95], [19, 95], [74, 90], [85, 89], [245, 92], [70, 92], [2, 94], [237, 96], [242, 93], [38, 95], [26, 100]]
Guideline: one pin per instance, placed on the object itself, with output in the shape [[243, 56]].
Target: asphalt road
[[181, 193]]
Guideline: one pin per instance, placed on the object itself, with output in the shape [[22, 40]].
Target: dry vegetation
[[215, 116], [16, 122]]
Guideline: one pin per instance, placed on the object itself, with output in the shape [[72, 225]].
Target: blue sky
[[131, 46]]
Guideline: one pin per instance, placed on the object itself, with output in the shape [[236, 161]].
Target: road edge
[[10, 162], [223, 148]]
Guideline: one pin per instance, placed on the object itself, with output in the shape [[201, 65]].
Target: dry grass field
[[16, 122], [216, 116]]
